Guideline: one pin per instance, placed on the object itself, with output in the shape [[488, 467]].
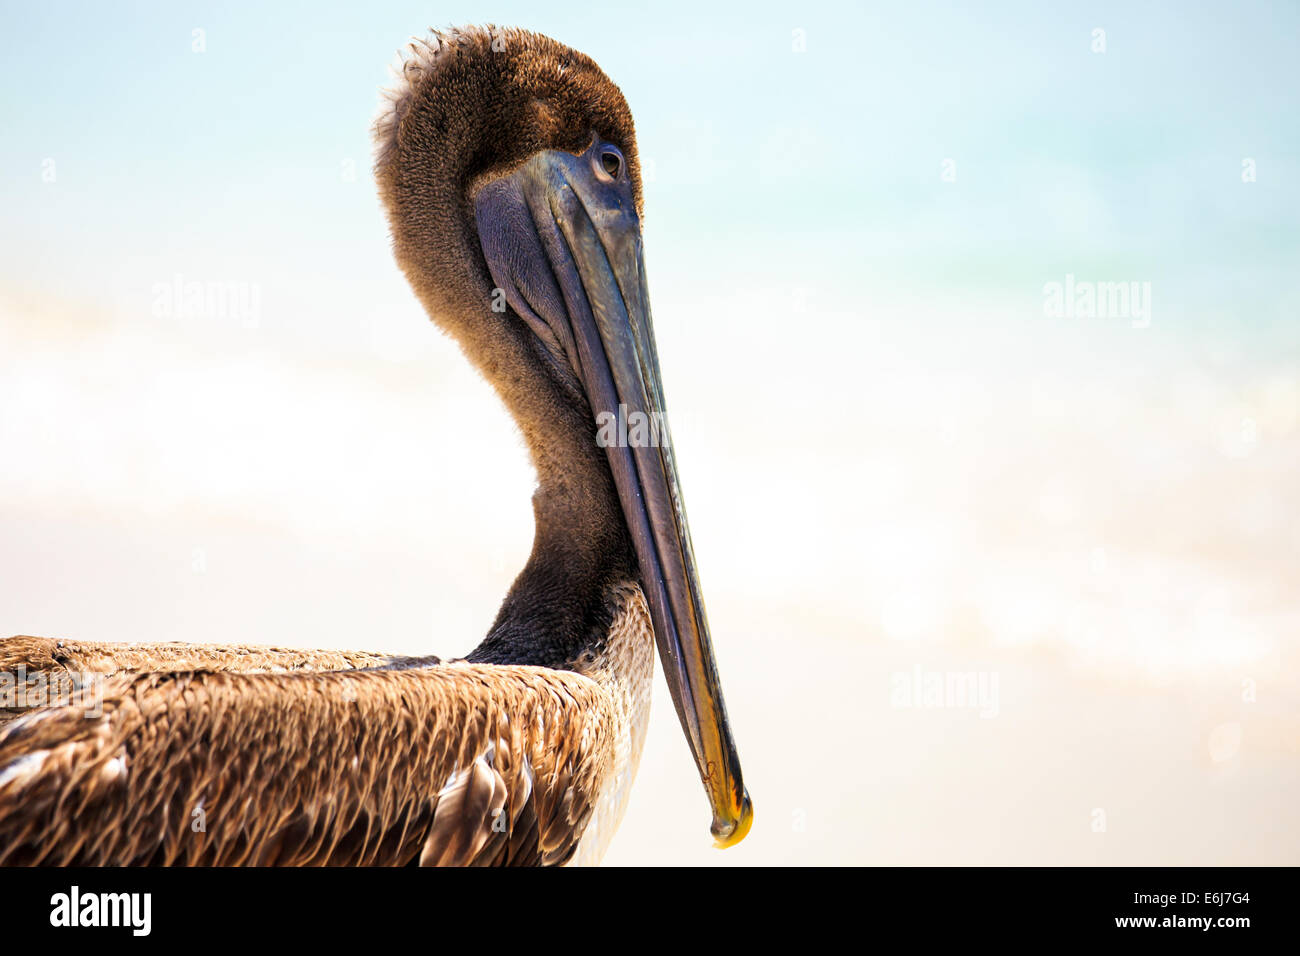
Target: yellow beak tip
[[739, 830]]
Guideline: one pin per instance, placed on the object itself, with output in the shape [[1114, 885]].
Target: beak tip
[[729, 834]]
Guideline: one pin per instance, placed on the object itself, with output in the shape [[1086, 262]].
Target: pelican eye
[[611, 161]]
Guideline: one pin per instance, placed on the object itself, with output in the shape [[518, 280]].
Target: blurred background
[[996, 574]]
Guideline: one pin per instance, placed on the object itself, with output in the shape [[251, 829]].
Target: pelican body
[[508, 167]]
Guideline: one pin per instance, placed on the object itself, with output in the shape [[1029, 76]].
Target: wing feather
[[450, 764]]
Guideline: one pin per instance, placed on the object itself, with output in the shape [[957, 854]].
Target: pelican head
[[508, 166]]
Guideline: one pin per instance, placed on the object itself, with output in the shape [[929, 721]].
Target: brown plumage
[[326, 764], [522, 753]]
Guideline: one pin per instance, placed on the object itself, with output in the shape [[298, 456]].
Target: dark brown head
[[508, 165]]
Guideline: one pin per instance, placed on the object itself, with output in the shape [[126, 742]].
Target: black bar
[[222, 906]]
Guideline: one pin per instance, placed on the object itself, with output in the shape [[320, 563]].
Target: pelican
[[508, 167]]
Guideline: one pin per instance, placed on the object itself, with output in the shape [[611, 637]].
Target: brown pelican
[[508, 166]]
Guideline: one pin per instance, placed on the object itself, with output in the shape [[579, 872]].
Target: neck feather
[[561, 605]]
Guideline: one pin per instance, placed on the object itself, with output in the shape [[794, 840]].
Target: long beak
[[589, 230]]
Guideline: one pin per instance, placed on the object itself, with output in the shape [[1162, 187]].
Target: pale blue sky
[[817, 172]]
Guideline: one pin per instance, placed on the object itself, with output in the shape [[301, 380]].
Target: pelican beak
[[562, 239]]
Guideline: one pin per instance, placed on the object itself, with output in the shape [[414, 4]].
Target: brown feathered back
[[446, 764]]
